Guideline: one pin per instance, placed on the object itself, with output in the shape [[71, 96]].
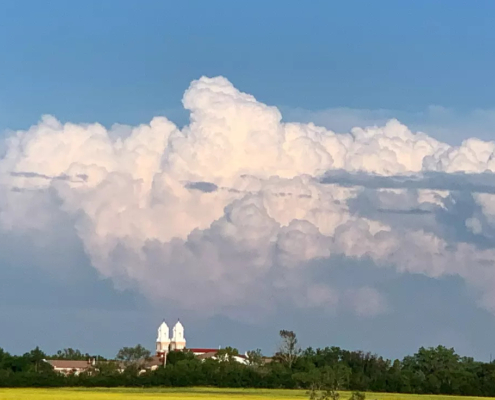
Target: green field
[[175, 394]]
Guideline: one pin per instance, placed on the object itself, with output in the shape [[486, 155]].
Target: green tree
[[289, 349], [322, 383], [133, 357], [174, 357], [106, 368], [70, 354], [36, 358], [227, 354], [435, 370], [255, 358], [4, 356]]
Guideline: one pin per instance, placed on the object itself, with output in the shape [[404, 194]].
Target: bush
[[358, 396]]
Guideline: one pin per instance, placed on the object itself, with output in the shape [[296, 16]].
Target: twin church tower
[[163, 342]]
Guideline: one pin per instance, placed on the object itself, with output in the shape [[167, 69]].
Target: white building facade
[[163, 342]]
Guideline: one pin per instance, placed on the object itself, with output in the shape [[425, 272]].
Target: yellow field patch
[[189, 393], [147, 394]]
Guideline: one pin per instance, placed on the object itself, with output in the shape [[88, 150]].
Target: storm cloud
[[228, 214]]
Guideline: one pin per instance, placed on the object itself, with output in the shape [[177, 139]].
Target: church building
[[165, 344]]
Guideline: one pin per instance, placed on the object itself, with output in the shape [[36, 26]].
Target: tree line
[[437, 370]]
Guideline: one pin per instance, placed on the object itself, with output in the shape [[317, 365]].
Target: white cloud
[[229, 211], [445, 124]]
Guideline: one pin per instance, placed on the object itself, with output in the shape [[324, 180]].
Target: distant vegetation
[[321, 372]]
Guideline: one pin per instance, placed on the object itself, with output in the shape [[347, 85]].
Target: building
[[163, 342], [164, 345], [241, 358], [68, 367]]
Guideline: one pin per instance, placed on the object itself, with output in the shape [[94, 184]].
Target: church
[[165, 344]]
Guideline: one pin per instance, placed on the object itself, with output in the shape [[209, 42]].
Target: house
[[198, 352], [68, 367], [214, 356], [152, 364]]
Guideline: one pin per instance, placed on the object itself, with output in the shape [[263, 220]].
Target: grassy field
[[189, 393]]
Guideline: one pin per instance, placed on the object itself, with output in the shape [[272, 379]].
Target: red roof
[[203, 350], [69, 364]]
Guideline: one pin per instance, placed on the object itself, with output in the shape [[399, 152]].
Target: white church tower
[[178, 339], [163, 339]]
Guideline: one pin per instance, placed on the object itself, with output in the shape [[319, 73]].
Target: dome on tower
[[178, 339], [163, 333], [178, 332], [178, 325]]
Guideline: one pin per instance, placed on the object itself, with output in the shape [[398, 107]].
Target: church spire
[[163, 338], [178, 338]]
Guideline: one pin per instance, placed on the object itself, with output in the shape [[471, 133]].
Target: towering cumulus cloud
[[230, 212]]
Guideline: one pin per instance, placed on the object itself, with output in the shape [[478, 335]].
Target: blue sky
[[126, 61]]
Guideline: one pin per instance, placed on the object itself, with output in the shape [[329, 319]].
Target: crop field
[[189, 393]]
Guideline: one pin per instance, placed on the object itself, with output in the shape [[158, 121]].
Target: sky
[[247, 167]]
